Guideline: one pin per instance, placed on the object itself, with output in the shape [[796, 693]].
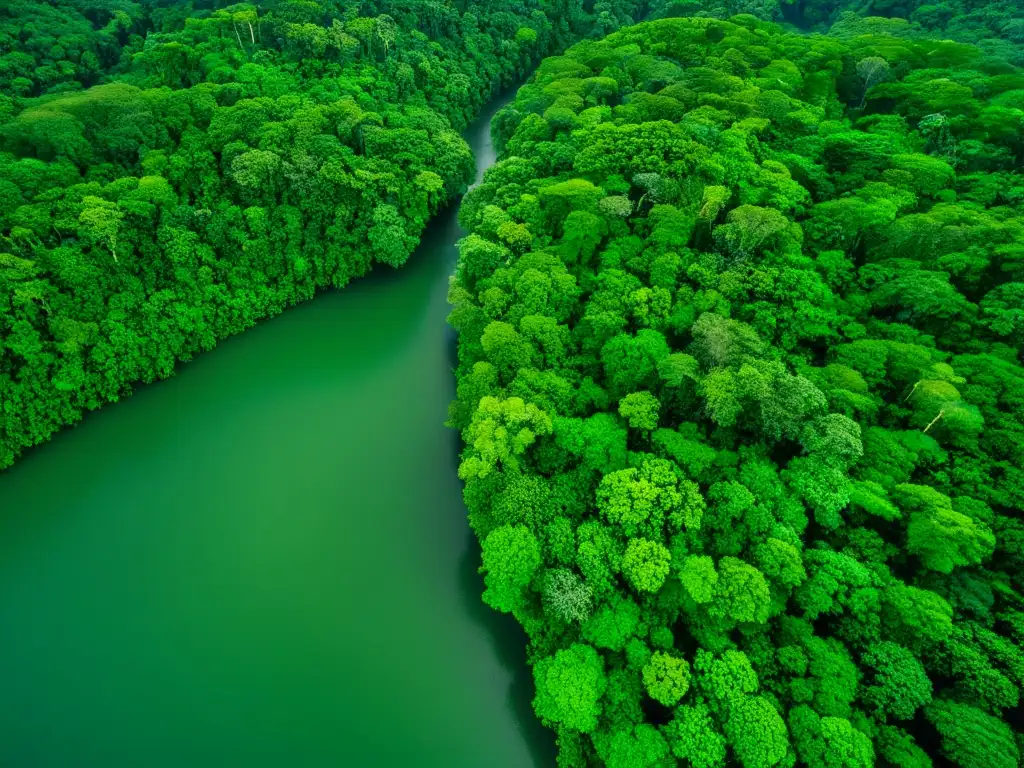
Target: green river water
[[264, 561]]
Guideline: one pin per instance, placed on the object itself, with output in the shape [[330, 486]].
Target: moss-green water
[[265, 561]]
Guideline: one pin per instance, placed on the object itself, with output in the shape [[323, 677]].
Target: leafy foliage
[[171, 173], [763, 288]]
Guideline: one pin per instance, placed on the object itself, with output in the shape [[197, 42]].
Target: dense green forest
[[172, 172], [740, 324], [740, 319], [996, 26]]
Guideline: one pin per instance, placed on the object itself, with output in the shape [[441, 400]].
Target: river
[[265, 561]]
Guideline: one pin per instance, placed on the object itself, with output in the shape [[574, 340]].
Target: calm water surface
[[265, 561]]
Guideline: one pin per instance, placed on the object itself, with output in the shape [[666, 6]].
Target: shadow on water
[[507, 638], [509, 644]]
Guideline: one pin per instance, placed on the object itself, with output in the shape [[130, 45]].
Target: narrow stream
[[265, 561]]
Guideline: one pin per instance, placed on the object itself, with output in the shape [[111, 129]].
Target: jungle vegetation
[[996, 26], [740, 321], [173, 172], [740, 388]]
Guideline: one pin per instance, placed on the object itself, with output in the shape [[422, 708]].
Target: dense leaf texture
[[171, 173], [754, 298]]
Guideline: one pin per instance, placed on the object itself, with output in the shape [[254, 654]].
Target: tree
[[390, 242], [640, 409], [641, 746], [899, 749], [871, 70], [914, 617], [942, 537], [500, 432], [569, 687], [939, 409], [899, 685], [101, 220], [386, 31], [693, 736], [741, 592], [599, 556], [631, 362], [478, 257], [756, 732], [781, 563], [567, 596], [645, 564], [511, 555], [833, 439], [829, 741], [598, 441], [506, 348], [698, 577], [972, 738], [748, 228], [718, 341], [666, 678], [644, 499], [613, 625]]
